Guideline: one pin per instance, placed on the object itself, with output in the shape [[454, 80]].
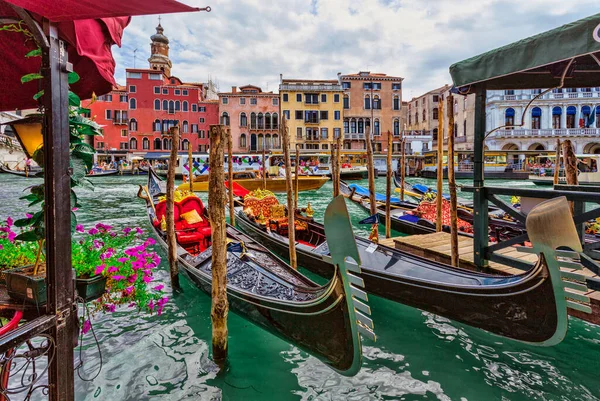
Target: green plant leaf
[[74, 200], [74, 100], [38, 157], [78, 165], [73, 222], [29, 236], [87, 184], [38, 219], [31, 77], [73, 77], [38, 95], [85, 152], [23, 222], [34, 53], [29, 197]]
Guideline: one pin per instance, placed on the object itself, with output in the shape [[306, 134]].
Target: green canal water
[[417, 356]]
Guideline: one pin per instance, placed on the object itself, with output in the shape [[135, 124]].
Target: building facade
[[572, 113], [313, 110], [253, 117], [371, 98], [137, 117]]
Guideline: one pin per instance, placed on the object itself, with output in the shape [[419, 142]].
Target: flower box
[[23, 286], [91, 288]]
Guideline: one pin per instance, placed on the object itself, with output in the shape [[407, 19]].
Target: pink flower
[[93, 231], [110, 307], [126, 230], [100, 268], [150, 241], [139, 230], [74, 209], [159, 287], [151, 305], [79, 228], [1, 247], [87, 325], [147, 279], [129, 290], [28, 215], [9, 221], [98, 244], [11, 236], [122, 260], [118, 278], [132, 278], [113, 234], [113, 269], [132, 304]]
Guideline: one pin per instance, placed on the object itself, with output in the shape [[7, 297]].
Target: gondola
[[322, 320], [31, 174], [101, 173], [529, 307], [380, 198]]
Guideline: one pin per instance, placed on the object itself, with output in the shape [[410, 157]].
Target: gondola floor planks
[[436, 246]]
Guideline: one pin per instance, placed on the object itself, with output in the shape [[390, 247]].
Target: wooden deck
[[436, 246]]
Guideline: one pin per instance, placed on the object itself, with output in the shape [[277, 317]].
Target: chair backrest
[[161, 210], [192, 203]]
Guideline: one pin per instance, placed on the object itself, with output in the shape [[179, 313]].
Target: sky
[[253, 41]]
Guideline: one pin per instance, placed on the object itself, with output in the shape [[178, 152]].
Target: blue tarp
[[362, 191]]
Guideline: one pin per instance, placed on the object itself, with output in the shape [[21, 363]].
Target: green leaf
[[31, 77], [29, 236], [79, 168], [30, 197], [74, 199], [73, 222], [34, 53], [73, 77], [38, 190], [35, 202], [74, 100], [38, 157], [85, 152], [38, 95], [23, 222], [87, 184], [38, 219]]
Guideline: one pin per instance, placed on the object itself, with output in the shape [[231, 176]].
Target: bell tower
[[159, 52]]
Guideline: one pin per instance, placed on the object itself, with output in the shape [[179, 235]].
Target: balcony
[[547, 96], [311, 121], [356, 137], [309, 88], [120, 121], [546, 133]]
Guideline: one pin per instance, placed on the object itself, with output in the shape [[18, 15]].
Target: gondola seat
[[190, 234]]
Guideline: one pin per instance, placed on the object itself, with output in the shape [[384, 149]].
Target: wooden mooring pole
[[230, 177], [297, 164], [216, 213], [264, 168], [190, 167], [402, 166], [557, 162], [333, 169], [454, 257], [338, 162], [388, 188], [440, 165], [285, 135], [570, 163], [371, 171], [170, 220]]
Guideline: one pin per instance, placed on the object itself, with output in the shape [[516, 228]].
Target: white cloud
[[253, 41]]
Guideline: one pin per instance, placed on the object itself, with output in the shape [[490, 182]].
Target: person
[[27, 165]]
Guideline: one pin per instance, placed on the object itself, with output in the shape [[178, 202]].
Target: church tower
[[159, 58]]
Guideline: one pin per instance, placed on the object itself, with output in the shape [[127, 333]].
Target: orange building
[[253, 117], [371, 97]]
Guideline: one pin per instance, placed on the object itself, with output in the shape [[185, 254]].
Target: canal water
[[417, 356]]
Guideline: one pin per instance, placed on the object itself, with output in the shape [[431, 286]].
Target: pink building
[[253, 116]]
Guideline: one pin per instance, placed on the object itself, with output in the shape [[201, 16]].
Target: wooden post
[[333, 171], [440, 164], [190, 167], [171, 238], [371, 170], [216, 213], [402, 166], [557, 162], [290, 196], [338, 163], [388, 189], [296, 177], [230, 177], [570, 163], [452, 185], [264, 169]]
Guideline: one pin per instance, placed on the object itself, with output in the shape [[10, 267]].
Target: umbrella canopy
[[538, 61], [89, 28]]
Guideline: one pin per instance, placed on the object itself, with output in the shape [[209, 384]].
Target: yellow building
[[313, 110]]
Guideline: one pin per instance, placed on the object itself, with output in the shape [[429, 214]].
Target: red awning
[[89, 43]]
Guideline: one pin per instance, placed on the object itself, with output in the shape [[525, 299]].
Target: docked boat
[[251, 181], [322, 320], [588, 173], [529, 307], [379, 198], [101, 173], [34, 173]]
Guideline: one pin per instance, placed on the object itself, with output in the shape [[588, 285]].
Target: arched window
[[132, 103], [435, 134], [185, 126], [243, 120], [177, 105], [346, 101], [376, 127], [268, 121], [417, 117], [165, 105], [261, 121], [376, 102], [396, 127], [253, 121], [146, 144], [597, 116], [424, 115], [361, 126], [353, 126], [268, 144], [225, 118], [157, 144], [571, 112], [276, 144], [252, 142], [133, 125], [156, 104], [157, 125], [275, 121], [556, 116], [367, 102], [185, 106], [435, 113], [185, 144], [260, 141], [509, 117], [133, 143], [396, 101], [171, 106], [536, 118], [586, 111], [243, 141], [166, 144]]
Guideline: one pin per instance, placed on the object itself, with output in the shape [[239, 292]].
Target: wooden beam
[[285, 135], [388, 188], [452, 185], [230, 177], [371, 171], [171, 237], [480, 202], [440, 165]]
